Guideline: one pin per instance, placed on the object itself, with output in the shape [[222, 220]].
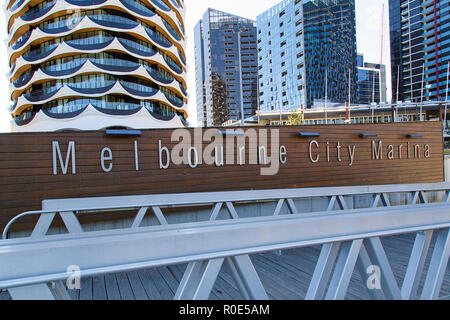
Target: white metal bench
[[350, 238]]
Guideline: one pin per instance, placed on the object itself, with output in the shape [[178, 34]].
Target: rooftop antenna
[[326, 96], [349, 90], [446, 97]]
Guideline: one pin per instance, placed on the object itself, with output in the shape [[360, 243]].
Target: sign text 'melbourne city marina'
[[62, 165], [250, 147]]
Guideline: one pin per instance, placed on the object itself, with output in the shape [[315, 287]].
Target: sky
[[368, 26]]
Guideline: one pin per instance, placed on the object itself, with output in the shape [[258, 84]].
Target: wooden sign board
[[35, 167]]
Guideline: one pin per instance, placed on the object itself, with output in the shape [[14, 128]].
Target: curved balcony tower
[[96, 64]]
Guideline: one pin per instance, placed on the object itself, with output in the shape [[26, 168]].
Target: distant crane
[[382, 34]]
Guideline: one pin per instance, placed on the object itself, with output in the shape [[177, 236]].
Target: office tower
[[420, 34], [89, 65], [225, 68], [307, 54], [436, 47], [371, 82], [406, 49]]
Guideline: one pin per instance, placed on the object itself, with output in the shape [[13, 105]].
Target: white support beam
[[414, 197], [71, 222], [331, 203], [423, 197], [199, 280], [43, 225], [278, 207], [139, 217], [376, 200], [378, 257], [385, 199], [438, 266], [292, 206], [416, 264], [364, 264], [159, 215], [447, 196], [215, 211], [247, 278], [231, 196], [322, 272], [342, 203], [232, 210], [344, 269], [200, 276]]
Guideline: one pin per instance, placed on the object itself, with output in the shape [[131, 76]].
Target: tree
[[219, 103], [295, 119]]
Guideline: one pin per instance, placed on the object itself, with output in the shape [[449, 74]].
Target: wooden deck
[[285, 277]]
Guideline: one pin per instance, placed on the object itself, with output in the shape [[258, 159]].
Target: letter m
[[377, 154], [58, 156]]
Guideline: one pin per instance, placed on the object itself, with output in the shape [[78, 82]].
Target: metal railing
[[350, 239]]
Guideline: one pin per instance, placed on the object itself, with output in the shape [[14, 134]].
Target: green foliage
[[295, 119]]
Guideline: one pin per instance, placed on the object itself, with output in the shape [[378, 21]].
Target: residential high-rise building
[[420, 35], [436, 46], [371, 82], [225, 56], [406, 34], [90, 65], [306, 54]]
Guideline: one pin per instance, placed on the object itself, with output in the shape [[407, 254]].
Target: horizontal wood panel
[[26, 164]]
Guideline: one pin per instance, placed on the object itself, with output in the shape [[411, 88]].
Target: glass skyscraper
[[225, 53], [436, 45], [420, 46], [371, 82], [306, 53]]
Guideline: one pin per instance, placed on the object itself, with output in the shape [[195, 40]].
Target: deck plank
[[229, 284], [280, 264], [169, 278], [160, 284], [180, 272], [274, 284], [86, 289], [99, 288], [280, 276], [112, 289], [4, 295], [177, 271], [149, 286], [136, 286], [74, 294], [220, 292], [125, 290], [225, 291]]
